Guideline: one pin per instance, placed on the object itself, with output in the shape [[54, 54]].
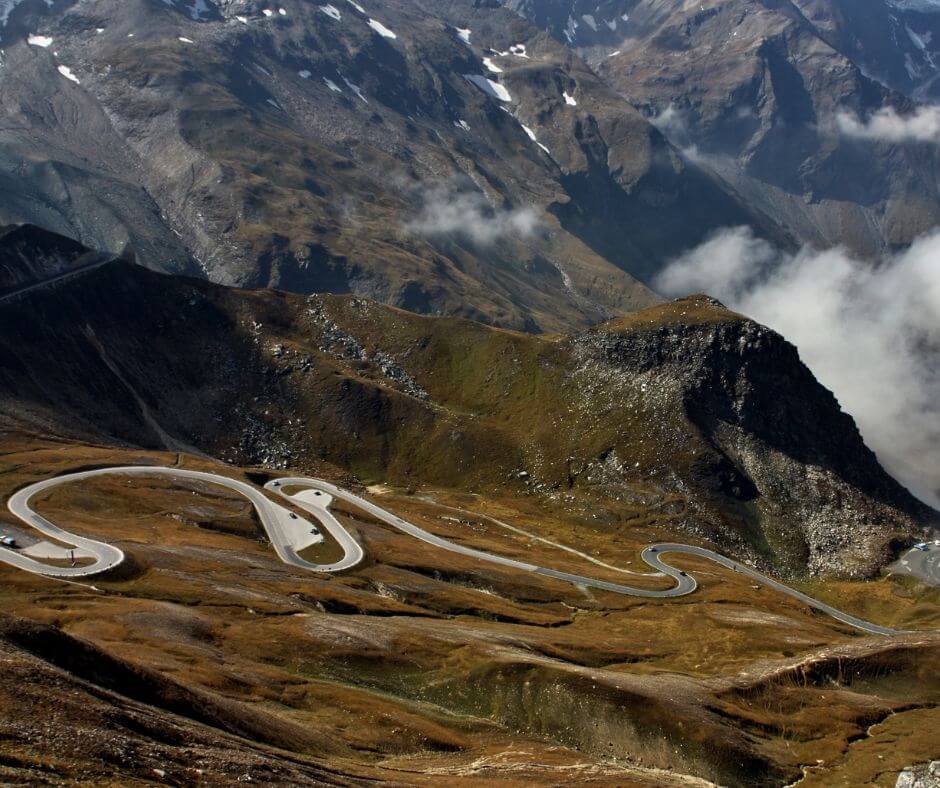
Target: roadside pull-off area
[[289, 534], [922, 562]]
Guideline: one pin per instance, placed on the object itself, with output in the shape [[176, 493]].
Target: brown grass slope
[[417, 666], [420, 666], [683, 415]]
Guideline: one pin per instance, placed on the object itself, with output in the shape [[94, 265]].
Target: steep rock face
[[894, 41], [897, 42], [756, 91], [776, 440]]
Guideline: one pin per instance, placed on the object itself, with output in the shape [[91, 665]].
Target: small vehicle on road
[[293, 516], [922, 546], [7, 541]]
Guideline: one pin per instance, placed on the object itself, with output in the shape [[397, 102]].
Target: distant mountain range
[[451, 157], [776, 97]]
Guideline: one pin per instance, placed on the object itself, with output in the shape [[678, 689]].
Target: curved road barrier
[[288, 534]]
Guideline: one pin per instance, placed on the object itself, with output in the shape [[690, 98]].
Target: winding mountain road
[[288, 534], [281, 527]]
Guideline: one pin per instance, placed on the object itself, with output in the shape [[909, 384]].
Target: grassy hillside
[[208, 659], [683, 414]]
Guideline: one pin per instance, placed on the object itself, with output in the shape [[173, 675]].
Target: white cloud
[[674, 125], [723, 266], [447, 211], [670, 119], [870, 332], [886, 125]]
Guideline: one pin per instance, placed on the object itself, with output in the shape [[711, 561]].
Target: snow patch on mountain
[[381, 29], [66, 72], [355, 89], [197, 10], [488, 86], [922, 6], [531, 135]]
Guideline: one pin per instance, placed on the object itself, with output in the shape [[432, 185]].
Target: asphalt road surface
[[277, 521], [315, 496]]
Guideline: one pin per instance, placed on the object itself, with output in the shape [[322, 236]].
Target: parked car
[[7, 541], [921, 546]]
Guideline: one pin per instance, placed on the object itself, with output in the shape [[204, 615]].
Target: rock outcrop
[[775, 440]]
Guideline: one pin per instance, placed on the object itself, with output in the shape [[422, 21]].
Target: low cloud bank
[[870, 333], [886, 125], [447, 211]]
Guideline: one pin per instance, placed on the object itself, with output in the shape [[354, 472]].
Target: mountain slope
[[30, 254], [679, 404], [759, 91], [209, 661], [382, 156]]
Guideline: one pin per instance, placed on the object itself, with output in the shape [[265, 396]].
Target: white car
[[922, 546], [7, 541]]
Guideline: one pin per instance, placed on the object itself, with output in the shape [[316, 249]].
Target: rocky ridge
[[775, 438]]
